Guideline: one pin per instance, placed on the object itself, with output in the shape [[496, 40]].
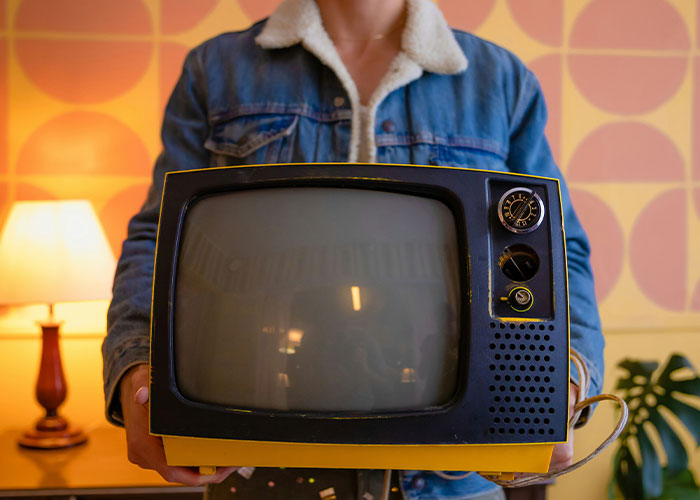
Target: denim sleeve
[[184, 131], [530, 154]]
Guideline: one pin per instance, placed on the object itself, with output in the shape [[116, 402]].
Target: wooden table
[[98, 469]]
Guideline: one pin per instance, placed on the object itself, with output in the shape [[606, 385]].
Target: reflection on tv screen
[[317, 300]]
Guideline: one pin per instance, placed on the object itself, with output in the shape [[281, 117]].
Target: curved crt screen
[[317, 299]]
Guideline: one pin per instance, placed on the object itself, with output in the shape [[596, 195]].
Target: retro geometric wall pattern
[[83, 84]]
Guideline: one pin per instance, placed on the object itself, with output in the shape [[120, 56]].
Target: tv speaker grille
[[521, 387]]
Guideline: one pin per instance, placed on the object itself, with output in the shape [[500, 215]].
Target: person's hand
[[145, 450], [563, 454]]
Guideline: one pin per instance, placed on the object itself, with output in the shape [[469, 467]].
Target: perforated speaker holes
[[521, 383]]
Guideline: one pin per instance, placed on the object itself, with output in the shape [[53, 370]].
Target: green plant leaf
[[687, 414], [675, 362], [651, 467], [680, 487], [628, 475], [626, 384], [686, 386], [676, 456], [690, 386], [612, 489], [646, 389], [638, 368]]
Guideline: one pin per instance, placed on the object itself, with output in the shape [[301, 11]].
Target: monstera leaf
[[680, 487], [646, 391]]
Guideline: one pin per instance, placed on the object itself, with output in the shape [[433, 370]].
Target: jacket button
[[338, 101], [418, 483], [388, 126]]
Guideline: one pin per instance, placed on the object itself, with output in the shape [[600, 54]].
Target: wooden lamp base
[[52, 431]]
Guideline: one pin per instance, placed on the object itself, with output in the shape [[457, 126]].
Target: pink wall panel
[[177, 16], [626, 152], [541, 19], [129, 17], [617, 60]]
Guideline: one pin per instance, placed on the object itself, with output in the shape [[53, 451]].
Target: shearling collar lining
[[426, 39], [427, 44]]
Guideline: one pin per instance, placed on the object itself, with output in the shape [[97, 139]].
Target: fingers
[[182, 475], [563, 454], [221, 474], [189, 477], [573, 399], [145, 450], [132, 381]]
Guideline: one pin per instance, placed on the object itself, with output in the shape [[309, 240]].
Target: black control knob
[[519, 262]]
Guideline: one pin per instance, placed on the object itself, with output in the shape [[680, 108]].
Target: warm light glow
[[356, 302], [295, 337], [54, 251], [408, 375], [283, 379], [290, 341], [84, 319]]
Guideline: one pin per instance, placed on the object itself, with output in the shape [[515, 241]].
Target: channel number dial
[[521, 210]]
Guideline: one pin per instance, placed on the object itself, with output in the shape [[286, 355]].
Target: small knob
[[520, 299]]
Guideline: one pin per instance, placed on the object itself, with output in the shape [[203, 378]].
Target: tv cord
[[582, 402]]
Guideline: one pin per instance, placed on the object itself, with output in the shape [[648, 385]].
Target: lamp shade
[[54, 251]]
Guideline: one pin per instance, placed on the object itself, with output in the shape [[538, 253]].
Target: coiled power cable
[[582, 402]]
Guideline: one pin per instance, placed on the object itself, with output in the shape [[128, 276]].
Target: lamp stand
[[51, 431]]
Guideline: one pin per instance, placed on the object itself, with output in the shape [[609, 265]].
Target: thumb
[[141, 395]]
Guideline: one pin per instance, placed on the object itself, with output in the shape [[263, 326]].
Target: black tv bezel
[[436, 425]]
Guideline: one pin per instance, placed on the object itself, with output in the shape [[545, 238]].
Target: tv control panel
[[522, 284]]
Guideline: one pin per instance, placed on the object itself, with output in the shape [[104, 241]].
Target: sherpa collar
[[427, 44]]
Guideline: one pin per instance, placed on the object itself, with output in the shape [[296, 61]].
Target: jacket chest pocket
[[428, 149], [252, 140], [468, 157]]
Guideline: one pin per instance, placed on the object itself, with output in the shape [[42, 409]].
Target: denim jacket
[[278, 93]]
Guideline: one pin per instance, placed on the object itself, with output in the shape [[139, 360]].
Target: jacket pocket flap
[[245, 134], [466, 143]]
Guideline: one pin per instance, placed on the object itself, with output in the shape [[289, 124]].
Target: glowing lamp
[[53, 251]]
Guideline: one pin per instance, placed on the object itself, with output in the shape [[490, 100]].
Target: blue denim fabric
[[424, 485], [237, 103]]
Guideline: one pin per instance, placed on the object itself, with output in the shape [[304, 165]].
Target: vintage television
[[360, 316]]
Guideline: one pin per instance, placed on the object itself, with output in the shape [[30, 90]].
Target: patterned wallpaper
[[83, 85]]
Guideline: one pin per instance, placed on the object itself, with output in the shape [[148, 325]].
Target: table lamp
[[53, 251]]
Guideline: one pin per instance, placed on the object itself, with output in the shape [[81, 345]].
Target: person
[[382, 81]]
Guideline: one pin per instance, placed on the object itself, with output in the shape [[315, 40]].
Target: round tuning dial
[[521, 210]]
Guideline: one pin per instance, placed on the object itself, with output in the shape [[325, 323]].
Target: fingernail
[[141, 395]]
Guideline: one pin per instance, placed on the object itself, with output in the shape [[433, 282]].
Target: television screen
[[318, 299]]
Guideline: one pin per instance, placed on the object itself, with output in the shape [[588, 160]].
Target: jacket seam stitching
[[280, 108]]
